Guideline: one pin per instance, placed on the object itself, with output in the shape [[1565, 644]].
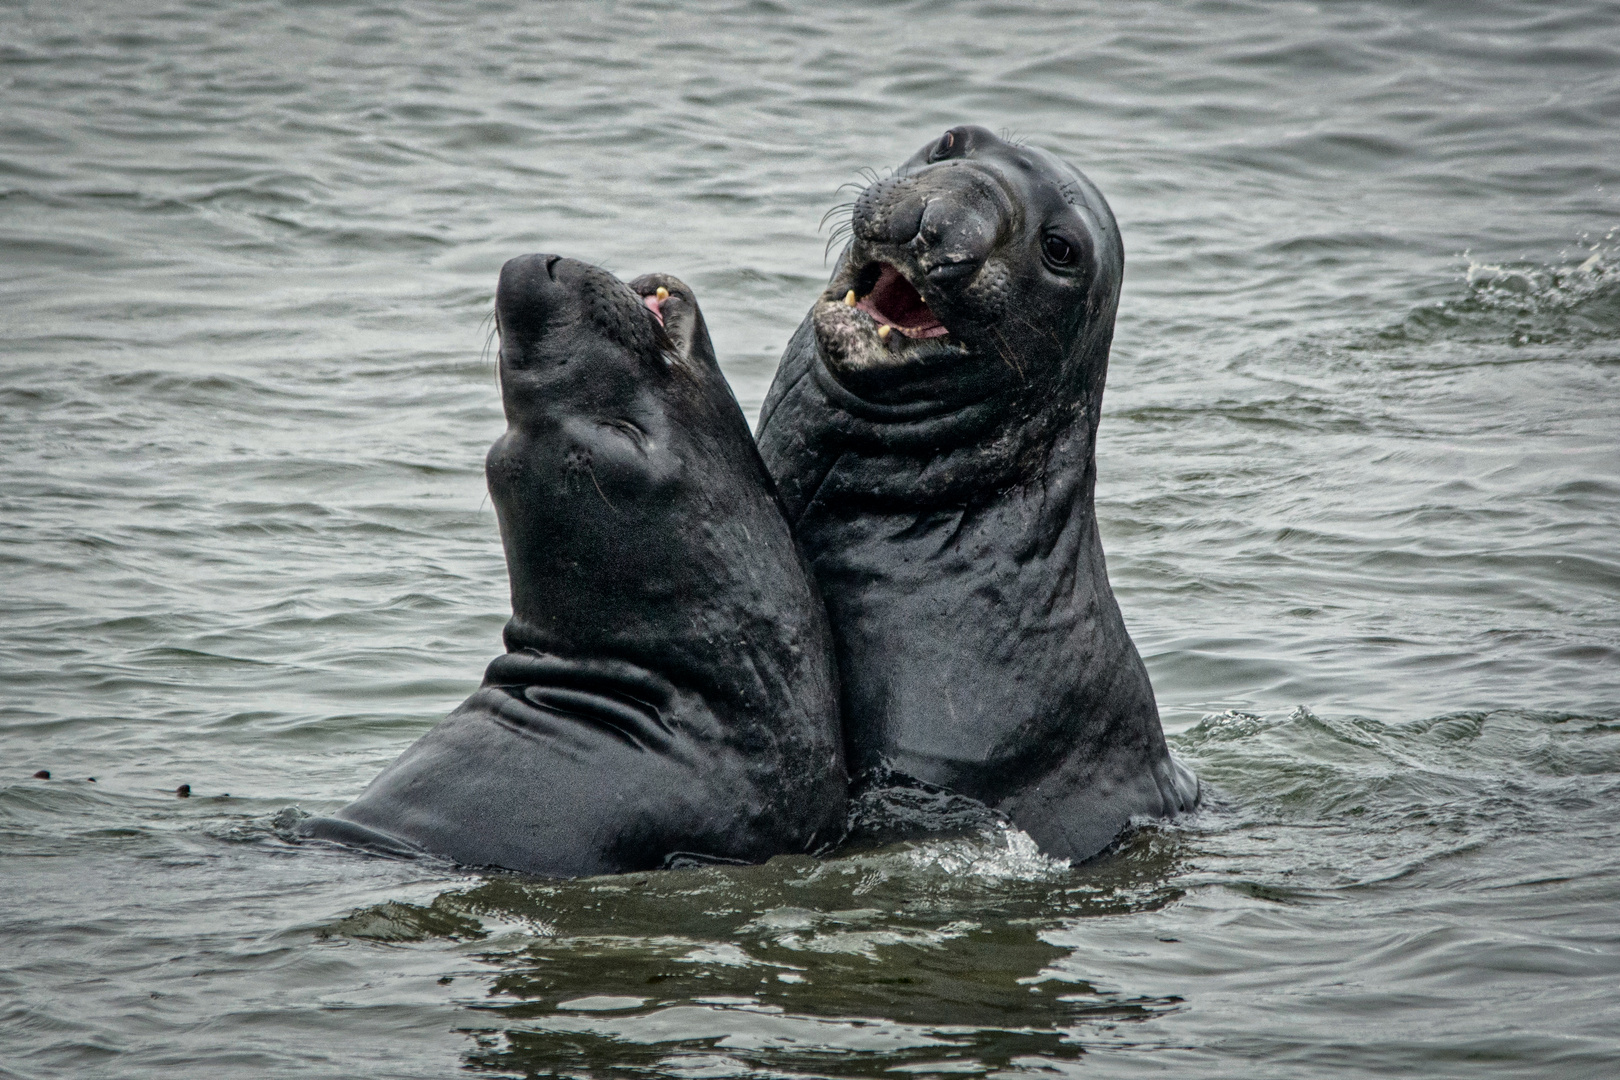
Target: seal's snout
[[549, 308], [528, 293], [948, 218], [922, 241]]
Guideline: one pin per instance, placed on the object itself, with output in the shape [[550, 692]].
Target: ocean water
[[1359, 487]]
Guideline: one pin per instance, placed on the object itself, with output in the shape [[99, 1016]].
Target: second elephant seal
[[668, 693], [932, 431]]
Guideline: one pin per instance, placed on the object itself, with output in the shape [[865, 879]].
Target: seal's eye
[[1057, 249], [947, 142]]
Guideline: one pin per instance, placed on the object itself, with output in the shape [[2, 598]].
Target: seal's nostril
[[551, 264]]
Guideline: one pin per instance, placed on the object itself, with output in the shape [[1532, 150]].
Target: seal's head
[[979, 269], [623, 447], [575, 338]]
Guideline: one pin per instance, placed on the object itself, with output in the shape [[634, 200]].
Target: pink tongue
[[893, 302], [652, 306]]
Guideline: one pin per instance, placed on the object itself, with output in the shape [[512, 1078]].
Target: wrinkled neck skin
[[924, 454], [967, 533]]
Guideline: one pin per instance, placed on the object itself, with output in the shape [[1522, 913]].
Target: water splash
[[999, 852], [1531, 287], [1566, 303]]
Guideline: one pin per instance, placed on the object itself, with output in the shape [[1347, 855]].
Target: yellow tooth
[[849, 298], [883, 332], [663, 294]]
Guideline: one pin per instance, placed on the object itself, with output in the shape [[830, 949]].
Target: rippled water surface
[[1359, 485]]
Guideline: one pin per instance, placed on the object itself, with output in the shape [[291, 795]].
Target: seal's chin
[[872, 319]]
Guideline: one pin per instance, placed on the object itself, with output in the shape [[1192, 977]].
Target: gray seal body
[[932, 431], [669, 691]]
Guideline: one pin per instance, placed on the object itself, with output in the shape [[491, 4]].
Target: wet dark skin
[[932, 431], [668, 694]]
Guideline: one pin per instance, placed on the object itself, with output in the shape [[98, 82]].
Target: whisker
[[490, 337], [1045, 332], [826, 252], [842, 215], [834, 210], [1006, 355]]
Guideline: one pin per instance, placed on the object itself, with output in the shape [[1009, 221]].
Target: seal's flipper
[[352, 834]]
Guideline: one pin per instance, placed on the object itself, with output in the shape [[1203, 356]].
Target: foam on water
[[1001, 852]]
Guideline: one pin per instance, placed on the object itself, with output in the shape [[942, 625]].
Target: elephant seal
[[932, 431], [668, 693]]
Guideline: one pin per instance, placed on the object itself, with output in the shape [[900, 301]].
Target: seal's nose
[[947, 217], [528, 292], [890, 211], [958, 229]]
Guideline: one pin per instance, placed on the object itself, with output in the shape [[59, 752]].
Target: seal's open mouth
[[893, 301], [671, 307], [873, 319], [655, 303]]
